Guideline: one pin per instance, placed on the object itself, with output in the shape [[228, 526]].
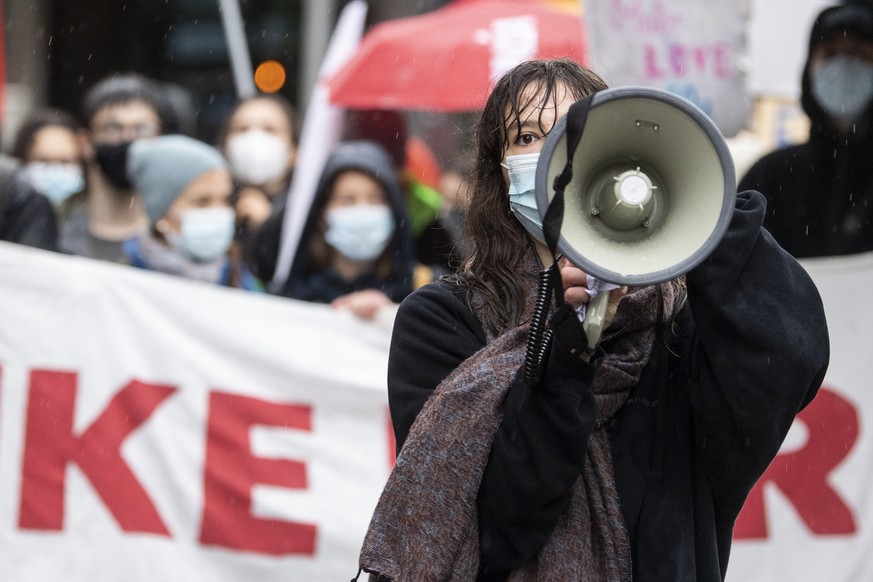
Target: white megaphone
[[652, 188]]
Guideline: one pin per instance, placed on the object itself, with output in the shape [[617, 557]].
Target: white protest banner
[[156, 429], [159, 429], [691, 48]]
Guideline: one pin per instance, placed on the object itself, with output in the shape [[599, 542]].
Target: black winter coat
[[26, 216], [820, 193], [707, 416]]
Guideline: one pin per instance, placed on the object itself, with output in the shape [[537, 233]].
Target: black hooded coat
[[820, 193], [310, 282]]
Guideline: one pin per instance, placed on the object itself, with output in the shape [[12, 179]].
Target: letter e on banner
[[231, 471], [803, 475]]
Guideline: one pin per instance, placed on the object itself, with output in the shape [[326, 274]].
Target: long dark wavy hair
[[498, 241]]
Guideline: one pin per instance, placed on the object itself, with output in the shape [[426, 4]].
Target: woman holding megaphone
[[627, 459]]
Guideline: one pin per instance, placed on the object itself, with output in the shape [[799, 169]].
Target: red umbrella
[[448, 59]]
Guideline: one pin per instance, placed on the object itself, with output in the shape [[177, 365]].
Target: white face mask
[[56, 181], [257, 157], [522, 193], [206, 233], [359, 232], [843, 86]]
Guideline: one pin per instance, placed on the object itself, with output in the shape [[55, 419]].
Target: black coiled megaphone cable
[[539, 338]]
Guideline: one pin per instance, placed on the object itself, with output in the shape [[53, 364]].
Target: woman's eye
[[526, 139]]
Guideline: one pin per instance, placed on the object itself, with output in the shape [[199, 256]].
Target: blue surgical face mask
[[522, 193], [56, 181], [360, 232], [206, 233], [843, 86]]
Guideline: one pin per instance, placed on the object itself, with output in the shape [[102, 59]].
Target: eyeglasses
[[117, 132]]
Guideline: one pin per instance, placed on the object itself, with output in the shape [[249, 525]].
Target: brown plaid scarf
[[424, 527]]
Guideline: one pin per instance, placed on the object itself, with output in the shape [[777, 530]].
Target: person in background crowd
[[186, 190], [48, 146], [179, 114], [260, 143], [455, 189], [820, 193], [26, 216], [116, 111], [433, 243], [355, 251], [629, 461]]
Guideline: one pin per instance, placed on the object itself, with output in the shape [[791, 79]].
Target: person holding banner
[[185, 188], [355, 251], [260, 142], [629, 461], [116, 111], [47, 145], [820, 193]]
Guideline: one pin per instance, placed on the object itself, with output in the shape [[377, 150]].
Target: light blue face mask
[[206, 233], [522, 193], [56, 181], [360, 232], [843, 86]]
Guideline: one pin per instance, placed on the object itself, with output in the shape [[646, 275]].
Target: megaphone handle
[[595, 317]]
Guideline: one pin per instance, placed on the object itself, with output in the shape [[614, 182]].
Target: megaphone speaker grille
[[653, 186]]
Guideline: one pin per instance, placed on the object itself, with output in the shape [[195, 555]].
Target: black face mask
[[112, 159]]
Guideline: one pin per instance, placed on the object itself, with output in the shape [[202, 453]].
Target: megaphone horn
[[652, 187]]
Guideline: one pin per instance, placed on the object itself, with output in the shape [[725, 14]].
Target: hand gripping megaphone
[[635, 186]]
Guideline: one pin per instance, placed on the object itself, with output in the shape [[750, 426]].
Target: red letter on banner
[[803, 475], [232, 471], [50, 444], [392, 442]]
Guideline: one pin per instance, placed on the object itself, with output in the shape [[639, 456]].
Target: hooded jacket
[[820, 193], [309, 282]]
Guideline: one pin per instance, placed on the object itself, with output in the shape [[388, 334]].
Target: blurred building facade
[[56, 49]]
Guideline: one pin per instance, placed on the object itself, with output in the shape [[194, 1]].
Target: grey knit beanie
[[162, 167]]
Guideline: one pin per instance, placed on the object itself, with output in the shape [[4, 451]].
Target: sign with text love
[[158, 429], [694, 49]]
